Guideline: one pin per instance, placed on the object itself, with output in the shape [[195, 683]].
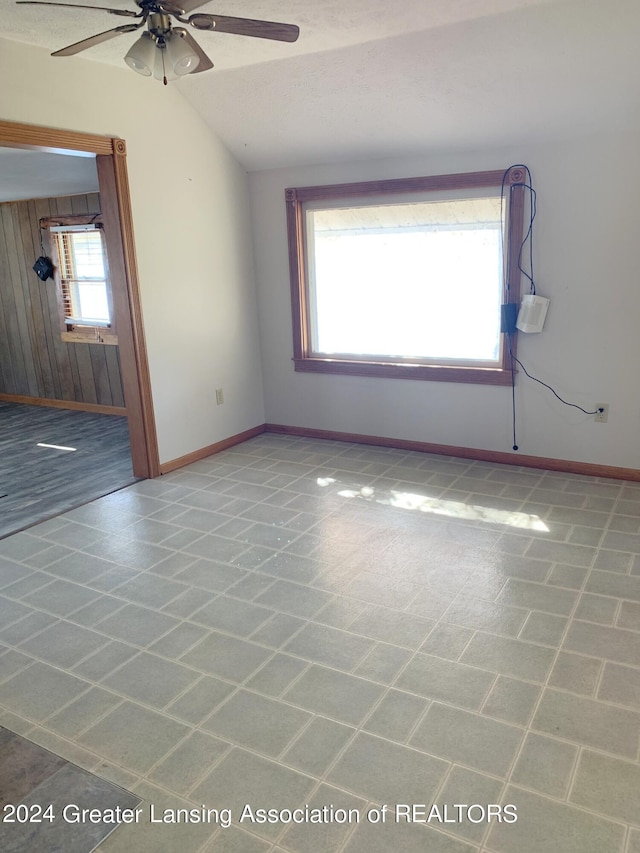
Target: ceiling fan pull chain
[[164, 70]]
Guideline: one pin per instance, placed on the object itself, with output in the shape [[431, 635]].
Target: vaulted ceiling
[[370, 78]]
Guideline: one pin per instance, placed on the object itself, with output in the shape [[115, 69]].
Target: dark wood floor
[[39, 482]]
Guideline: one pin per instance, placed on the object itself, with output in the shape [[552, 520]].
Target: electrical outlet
[[602, 413], [219, 396]]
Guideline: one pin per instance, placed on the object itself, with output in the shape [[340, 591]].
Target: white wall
[[191, 222], [586, 260]]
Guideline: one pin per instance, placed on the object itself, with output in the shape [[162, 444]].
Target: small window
[[406, 278], [82, 279]]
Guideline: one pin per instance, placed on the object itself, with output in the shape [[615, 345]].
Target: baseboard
[[204, 452], [562, 465], [63, 404]]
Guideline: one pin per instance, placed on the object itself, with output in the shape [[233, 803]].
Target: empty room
[[367, 577]]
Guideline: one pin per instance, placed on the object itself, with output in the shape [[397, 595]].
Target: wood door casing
[[116, 210]]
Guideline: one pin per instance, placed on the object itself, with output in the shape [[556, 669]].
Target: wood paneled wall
[[34, 361]]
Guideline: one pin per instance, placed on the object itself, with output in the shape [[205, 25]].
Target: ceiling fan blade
[[72, 49], [170, 8], [205, 63], [245, 27], [186, 5], [124, 12]]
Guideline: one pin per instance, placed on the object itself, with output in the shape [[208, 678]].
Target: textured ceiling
[[369, 78], [324, 24]]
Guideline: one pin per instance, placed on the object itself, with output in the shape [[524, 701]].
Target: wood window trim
[[308, 362], [78, 334]]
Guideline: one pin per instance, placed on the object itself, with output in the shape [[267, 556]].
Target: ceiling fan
[[164, 50]]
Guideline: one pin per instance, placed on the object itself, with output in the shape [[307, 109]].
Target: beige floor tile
[[242, 778], [614, 644], [588, 722], [396, 715], [549, 826], [576, 673], [509, 657], [533, 596], [459, 736], [512, 700], [436, 678], [545, 765], [608, 786], [403, 775], [318, 745], [404, 838], [620, 684], [468, 786], [239, 633], [257, 722]]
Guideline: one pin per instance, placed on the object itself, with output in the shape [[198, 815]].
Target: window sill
[[101, 337], [428, 373]]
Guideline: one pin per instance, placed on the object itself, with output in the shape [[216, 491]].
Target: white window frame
[[75, 329]]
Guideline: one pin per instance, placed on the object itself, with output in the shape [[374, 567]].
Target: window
[[406, 278], [82, 279]]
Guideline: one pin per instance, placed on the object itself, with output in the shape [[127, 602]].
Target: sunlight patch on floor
[[440, 506]]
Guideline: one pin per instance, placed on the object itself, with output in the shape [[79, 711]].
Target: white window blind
[[82, 275]]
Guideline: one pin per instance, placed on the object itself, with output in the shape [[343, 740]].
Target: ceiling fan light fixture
[[181, 58], [141, 56], [162, 69]]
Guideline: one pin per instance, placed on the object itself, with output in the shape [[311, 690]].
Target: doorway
[[110, 159]]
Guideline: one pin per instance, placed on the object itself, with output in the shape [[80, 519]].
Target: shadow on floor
[[90, 457]]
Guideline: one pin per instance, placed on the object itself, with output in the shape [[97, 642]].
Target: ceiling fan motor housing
[[159, 25]]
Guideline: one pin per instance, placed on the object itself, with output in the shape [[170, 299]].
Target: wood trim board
[[561, 465], [204, 452], [64, 404], [136, 380], [497, 457], [52, 140]]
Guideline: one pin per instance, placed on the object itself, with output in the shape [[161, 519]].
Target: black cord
[[513, 394], [528, 237], [40, 230], [533, 209], [539, 381]]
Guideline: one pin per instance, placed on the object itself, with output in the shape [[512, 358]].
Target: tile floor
[[301, 622]]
